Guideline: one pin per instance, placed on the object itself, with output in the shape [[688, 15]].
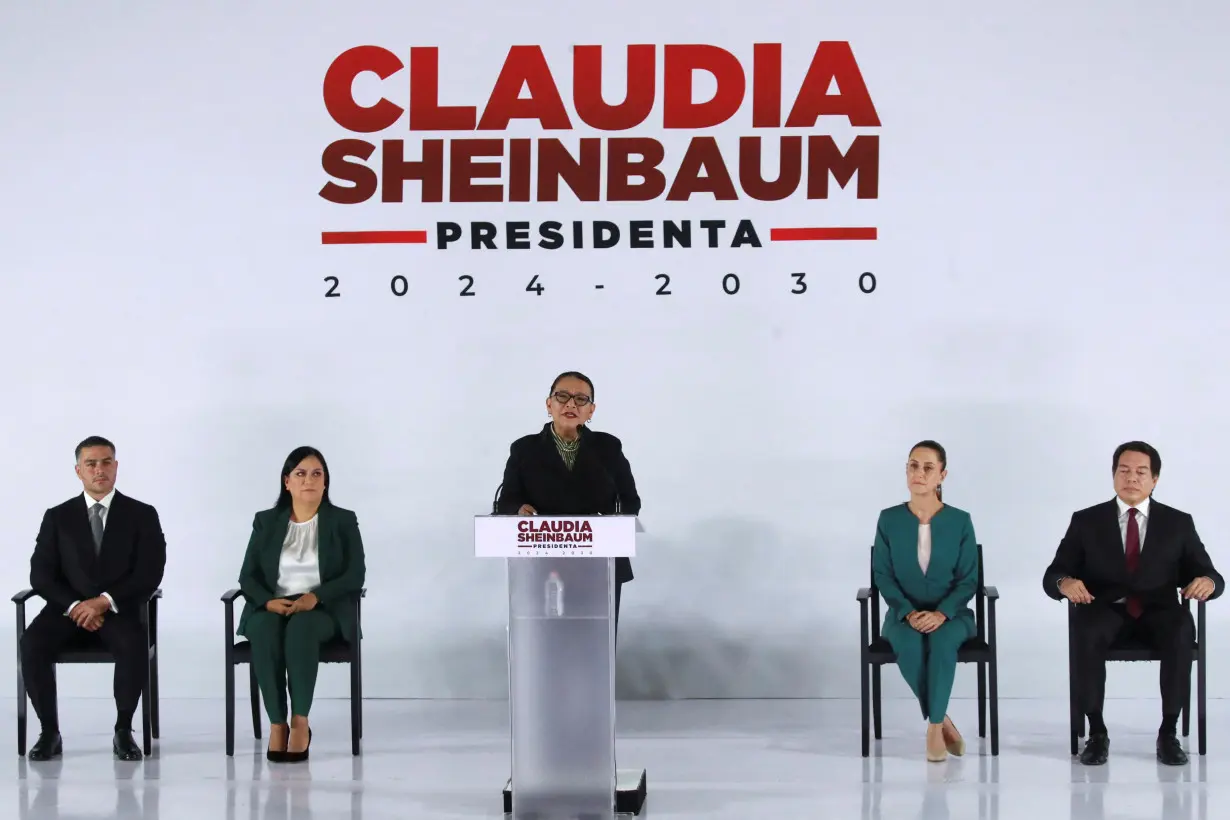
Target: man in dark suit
[[97, 559], [1123, 583]]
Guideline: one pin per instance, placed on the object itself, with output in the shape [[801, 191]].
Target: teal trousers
[[929, 662], [286, 652]]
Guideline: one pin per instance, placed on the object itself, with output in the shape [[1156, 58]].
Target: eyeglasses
[[563, 398]]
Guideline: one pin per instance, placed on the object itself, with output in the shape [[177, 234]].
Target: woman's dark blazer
[[339, 550], [600, 482]]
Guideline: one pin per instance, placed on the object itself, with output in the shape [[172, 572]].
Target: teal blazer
[[951, 580], [340, 552]]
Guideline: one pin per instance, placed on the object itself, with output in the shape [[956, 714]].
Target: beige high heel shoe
[[949, 729], [937, 751]]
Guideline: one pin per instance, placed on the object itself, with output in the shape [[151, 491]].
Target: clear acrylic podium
[[561, 663]]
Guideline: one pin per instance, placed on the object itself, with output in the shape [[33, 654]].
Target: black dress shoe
[[1096, 750], [1169, 752], [124, 746], [48, 746]]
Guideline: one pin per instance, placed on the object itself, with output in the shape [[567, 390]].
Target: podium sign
[[561, 657], [541, 536]]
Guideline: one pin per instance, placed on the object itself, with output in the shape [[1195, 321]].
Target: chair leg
[[21, 706], [1201, 698], [993, 674], [255, 697], [875, 701], [356, 709], [230, 706], [147, 729], [360, 683], [864, 697], [155, 698], [982, 699]]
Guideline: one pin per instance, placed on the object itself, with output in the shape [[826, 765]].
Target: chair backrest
[[979, 598]]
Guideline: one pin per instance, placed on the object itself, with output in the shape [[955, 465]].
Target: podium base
[[630, 792]]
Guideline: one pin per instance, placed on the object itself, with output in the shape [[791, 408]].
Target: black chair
[[89, 648], [1133, 650], [980, 650], [335, 651]]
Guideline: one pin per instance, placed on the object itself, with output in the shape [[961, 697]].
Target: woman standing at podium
[[568, 469], [925, 565]]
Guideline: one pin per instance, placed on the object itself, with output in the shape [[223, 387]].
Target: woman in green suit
[[303, 567], [925, 565]]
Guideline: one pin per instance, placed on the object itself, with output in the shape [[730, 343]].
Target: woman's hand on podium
[[526, 509]]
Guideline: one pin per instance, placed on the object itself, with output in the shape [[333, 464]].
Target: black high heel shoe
[[277, 757], [297, 757]]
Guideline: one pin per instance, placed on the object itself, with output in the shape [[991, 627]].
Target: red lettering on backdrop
[[833, 61], [426, 113], [621, 168], [523, 526], [336, 162], [751, 172], [592, 109], [525, 66], [583, 176], [463, 170], [679, 65], [767, 85], [339, 89], [397, 170], [703, 155], [824, 158]]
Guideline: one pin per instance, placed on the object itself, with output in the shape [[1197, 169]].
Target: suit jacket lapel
[[551, 453], [1156, 533], [116, 516], [325, 543], [1109, 532], [79, 523], [273, 546]]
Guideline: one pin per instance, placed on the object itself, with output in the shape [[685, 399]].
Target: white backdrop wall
[[1051, 281]]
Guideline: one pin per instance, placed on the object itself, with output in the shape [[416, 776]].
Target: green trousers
[[286, 651], [929, 662]]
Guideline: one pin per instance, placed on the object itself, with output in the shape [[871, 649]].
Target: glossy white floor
[[705, 759]]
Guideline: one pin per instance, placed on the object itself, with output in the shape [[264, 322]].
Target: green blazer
[[951, 580], [340, 551]]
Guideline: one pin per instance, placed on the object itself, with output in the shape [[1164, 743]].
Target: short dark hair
[[929, 444], [573, 374], [92, 441], [292, 461], [1142, 447]]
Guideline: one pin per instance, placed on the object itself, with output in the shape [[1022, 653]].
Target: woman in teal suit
[[925, 565], [303, 567]]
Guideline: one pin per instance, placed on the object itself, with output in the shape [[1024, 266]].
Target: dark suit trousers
[[1169, 631], [51, 631]]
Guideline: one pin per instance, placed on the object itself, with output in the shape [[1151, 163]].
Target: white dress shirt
[[1142, 520], [299, 566], [924, 546], [90, 501]]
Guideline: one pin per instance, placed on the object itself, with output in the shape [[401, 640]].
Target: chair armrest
[[864, 594], [991, 592], [230, 595], [23, 596]]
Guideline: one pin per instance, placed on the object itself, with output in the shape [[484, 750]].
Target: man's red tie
[[1133, 558]]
